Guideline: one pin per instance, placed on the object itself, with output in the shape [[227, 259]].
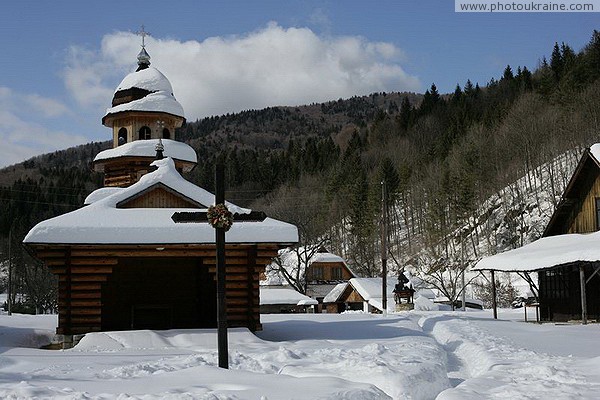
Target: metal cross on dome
[[143, 34]]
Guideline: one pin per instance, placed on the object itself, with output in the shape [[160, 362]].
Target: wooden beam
[[494, 305], [583, 298]]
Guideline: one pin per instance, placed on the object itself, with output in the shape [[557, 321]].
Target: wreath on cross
[[220, 217]]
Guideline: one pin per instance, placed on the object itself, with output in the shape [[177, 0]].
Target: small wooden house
[[360, 294], [325, 270], [131, 258]]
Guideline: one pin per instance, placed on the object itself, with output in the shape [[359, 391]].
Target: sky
[[62, 60]]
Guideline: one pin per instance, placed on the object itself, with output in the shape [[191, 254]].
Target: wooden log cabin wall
[[84, 274]]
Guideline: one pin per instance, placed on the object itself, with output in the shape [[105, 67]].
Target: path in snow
[[495, 367]]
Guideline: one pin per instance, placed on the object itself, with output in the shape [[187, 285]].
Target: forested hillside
[[321, 166]]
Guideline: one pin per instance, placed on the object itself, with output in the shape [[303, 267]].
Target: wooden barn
[[140, 254], [567, 257]]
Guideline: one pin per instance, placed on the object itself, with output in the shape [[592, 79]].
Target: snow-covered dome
[[149, 79], [146, 89]]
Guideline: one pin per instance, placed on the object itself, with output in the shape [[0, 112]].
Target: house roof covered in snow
[[103, 222], [326, 257], [544, 253], [370, 290], [269, 295], [335, 293], [147, 148]]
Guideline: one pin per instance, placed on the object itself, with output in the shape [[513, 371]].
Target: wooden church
[[131, 257]]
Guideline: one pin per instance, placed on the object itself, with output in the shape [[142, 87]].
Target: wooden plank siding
[[83, 269], [159, 197], [585, 219], [326, 269]]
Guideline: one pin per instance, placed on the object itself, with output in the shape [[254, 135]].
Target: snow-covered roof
[[545, 253], [160, 101], [102, 222], [147, 148], [284, 296], [370, 290], [149, 79], [101, 193], [160, 96], [335, 293], [595, 152], [326, 258]]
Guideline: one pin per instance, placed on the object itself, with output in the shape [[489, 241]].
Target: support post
[[494, 304], [10, 292], [384, 234], [221, 300], [583, 299]]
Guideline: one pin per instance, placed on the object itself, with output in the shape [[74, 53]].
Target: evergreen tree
[[405, 115], [556, 62], [508, 74]]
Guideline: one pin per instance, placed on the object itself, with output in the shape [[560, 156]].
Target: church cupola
[[143, 59], [143, 111]]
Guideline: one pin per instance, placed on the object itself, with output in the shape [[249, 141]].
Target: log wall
[[82, 270]]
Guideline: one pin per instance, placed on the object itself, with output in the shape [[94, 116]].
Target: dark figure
[[402, 289]]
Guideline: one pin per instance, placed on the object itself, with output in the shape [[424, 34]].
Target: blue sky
[[61, 60]]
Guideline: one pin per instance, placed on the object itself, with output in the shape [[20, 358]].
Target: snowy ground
[[416, 355]]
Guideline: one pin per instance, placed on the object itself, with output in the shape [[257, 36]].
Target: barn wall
[[585, 220]]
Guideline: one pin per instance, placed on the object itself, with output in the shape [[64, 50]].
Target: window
[[166, 134], [145, 133], [317, 273], [122, 137], [598, 213], [336, 273]]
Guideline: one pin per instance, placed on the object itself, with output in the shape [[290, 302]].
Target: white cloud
[[271, 66], [83, 78], [25, 132], [47, 106]]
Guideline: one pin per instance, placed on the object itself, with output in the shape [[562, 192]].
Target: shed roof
[[545, 253], [269, 295], [102, 222]]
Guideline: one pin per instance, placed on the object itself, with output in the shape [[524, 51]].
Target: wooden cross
[[143, 34]]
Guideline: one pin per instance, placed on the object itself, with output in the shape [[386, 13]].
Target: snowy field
[[416, 355]]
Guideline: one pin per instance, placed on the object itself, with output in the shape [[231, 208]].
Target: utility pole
[[220, 243], [384, 235], [10, 293], [464, 295]]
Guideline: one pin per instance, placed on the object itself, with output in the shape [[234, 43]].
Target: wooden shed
[[124, 261], [567, 257]]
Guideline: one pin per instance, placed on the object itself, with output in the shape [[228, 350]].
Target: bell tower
[[143, 112]]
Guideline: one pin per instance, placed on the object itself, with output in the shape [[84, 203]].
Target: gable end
[[159, 196]]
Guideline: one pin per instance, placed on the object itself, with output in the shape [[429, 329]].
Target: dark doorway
[[159, 293]]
